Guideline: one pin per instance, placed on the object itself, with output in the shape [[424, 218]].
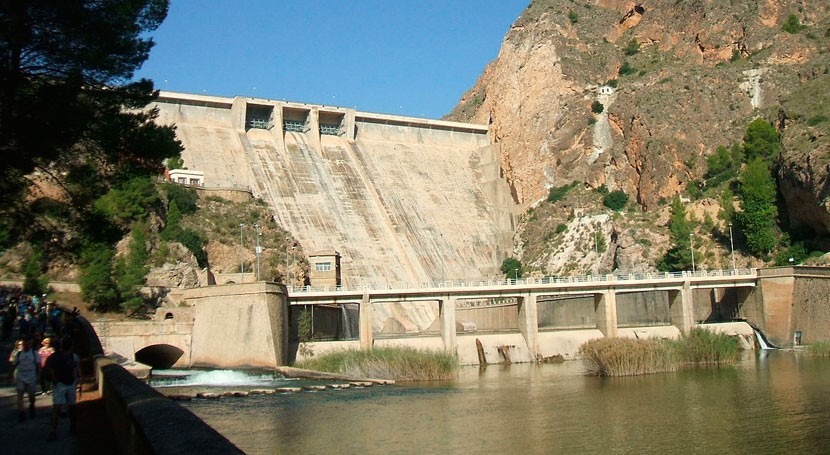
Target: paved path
[[29, 437], [94, 434]]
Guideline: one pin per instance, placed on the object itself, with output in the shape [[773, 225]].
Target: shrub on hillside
[[615, 200]]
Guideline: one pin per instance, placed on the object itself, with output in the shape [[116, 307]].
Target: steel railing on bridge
[[482, 283]]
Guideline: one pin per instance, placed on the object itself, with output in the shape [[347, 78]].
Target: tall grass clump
[[398, 363], [628, 357], [819, 349], [702, 346]]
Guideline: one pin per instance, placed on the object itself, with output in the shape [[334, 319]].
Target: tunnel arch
[[160, 356]]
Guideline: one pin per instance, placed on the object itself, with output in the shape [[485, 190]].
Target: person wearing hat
[[44, 352]]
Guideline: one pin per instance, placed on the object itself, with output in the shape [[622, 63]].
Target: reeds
[[701, 346], [398, 363], [819, 349], [628, 357]]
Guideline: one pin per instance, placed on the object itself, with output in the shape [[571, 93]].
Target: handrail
[[484, 283]]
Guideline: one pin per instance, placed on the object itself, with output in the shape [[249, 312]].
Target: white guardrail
[[742, 273]]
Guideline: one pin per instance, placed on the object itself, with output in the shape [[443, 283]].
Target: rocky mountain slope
[[675, 80]]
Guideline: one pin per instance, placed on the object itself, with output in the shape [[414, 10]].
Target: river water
[[770, 402]]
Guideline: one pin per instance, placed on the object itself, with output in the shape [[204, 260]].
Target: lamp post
[[241, 253], [692, 248], [258, 249], [731, 247]]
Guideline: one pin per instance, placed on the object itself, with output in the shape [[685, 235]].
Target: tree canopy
[[758, 220], [69, 109], [679, 256]]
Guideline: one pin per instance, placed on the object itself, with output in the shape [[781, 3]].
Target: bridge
[[247, 324], [604, 289]]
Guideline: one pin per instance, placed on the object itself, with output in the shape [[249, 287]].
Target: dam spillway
[[402, 199]]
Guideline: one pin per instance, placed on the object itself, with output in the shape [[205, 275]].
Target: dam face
[[403, 200]]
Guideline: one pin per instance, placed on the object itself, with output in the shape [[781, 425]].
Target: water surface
[[776, 402]]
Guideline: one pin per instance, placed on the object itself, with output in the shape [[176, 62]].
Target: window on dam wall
[[259, 117]]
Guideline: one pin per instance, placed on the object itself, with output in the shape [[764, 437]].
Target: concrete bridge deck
[[224, 318]]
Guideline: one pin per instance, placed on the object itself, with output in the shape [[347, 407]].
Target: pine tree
[[758, 218], [679, 256]]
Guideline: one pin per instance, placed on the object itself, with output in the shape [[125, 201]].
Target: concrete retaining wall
[[146, 422], [239, 325]]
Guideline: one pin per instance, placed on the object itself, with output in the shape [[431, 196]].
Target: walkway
[[94, 435]]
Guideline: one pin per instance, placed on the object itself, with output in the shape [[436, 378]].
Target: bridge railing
[[483, 283]]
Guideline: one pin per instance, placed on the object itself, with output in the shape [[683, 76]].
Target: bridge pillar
[[605, 306], [446, 314], [365, 324], [529, 322], [681, 304]]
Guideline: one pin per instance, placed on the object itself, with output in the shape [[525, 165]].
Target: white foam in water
[[170, 378]]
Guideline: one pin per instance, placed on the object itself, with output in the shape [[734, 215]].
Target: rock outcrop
[[686, 78]]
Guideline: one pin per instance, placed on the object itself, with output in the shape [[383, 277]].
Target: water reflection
[[777, 403]]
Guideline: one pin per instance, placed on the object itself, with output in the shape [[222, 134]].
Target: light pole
[[731, 247], [258, 249], [692, 248], [241, 253]]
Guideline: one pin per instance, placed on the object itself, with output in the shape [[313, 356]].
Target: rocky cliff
[[673, 81]]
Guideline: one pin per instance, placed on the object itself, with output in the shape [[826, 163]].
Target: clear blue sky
[[412, 58]]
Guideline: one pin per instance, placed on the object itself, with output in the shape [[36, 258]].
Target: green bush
[[632, 47], [34, 282], [185, 198], [511, 268], [792, 25], [561, 227], [627, 69], [573, 17], [558, 193], [97, 285], [615, 200], [816, 119], [597, 107], [129, 202]]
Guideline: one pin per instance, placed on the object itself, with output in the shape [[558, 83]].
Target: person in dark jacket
[[63, 369]]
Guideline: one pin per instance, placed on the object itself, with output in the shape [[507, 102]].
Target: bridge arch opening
[[160, 356]]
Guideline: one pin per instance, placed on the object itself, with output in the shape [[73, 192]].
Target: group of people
[[43, 356]]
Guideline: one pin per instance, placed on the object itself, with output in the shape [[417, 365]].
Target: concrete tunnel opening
[[160, 356]]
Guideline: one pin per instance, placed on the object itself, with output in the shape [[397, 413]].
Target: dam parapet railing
[[701, 275]]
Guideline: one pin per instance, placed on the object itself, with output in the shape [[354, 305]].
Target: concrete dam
[[403, 200]]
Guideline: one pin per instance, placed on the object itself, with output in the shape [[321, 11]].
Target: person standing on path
[[44, 352], [26, 365], [63, 369]]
